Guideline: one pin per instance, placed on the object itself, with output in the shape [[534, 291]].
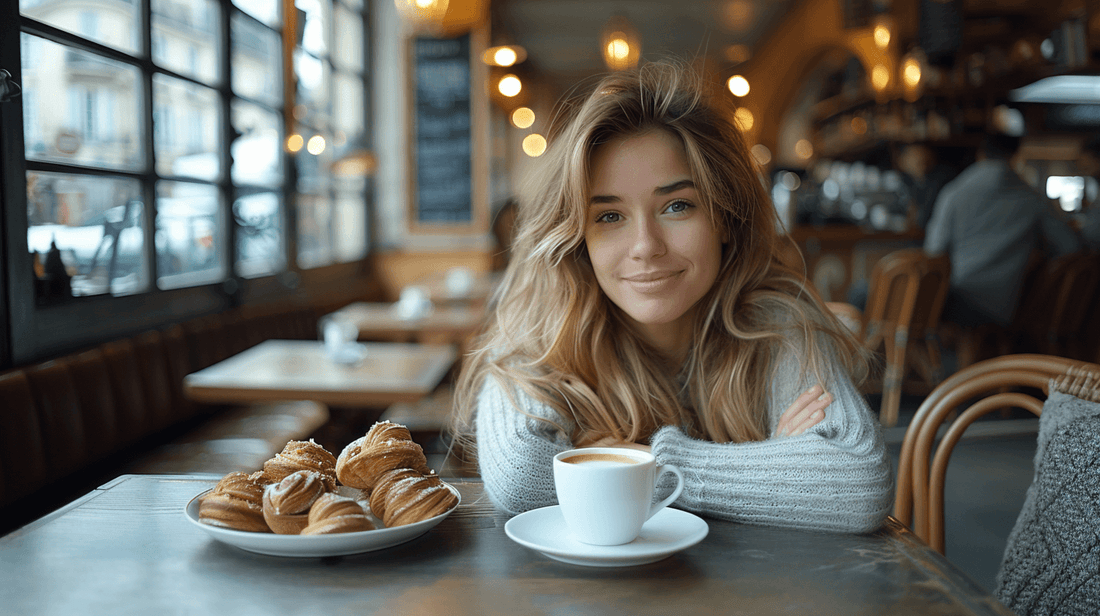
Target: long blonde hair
[[553, 332]]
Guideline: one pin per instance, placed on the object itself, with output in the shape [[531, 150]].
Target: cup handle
[[671, 498]]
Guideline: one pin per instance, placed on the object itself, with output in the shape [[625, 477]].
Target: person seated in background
[[646, 305], [988, 220]]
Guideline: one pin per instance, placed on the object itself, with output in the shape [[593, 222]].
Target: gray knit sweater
[[834, 477], [1051, 564]]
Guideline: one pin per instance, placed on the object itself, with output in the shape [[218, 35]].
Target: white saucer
[[666, 533]]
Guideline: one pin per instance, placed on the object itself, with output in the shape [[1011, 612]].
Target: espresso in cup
[[600, 458], [605, 494]]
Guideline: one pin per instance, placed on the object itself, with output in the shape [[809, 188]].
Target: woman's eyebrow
[[673, 187], [660, 190]]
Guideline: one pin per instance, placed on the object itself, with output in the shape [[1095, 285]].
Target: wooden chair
[[905, 300], [995, 384], [1061, 306]]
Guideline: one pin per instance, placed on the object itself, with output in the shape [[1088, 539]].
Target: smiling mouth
[[651, 282]]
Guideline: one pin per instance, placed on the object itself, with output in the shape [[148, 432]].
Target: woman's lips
[[652, 282]]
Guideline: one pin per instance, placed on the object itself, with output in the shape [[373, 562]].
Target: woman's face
[[653, 248]]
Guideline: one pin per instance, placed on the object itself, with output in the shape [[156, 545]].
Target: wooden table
[[300, 370], [375, 320], [481, 287], [126, 548]]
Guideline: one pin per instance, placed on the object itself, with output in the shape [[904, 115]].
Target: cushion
[[1051, 563]]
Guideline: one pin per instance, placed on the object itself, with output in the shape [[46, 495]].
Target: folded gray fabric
[[1051, 564]]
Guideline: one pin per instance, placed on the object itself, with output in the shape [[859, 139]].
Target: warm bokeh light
[[510, 85], [315, 145], [762, 154], [911, 73], [294, 143], [534, 145], [859, 126], [422, 10], [880, 77], [744, 118], [882, 36], [505, 56], [738, 15], [738, 85], [738, 54], [618, 48], [523, 117], [803, 149]]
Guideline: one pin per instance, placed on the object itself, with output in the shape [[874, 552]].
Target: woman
[[646, 305]]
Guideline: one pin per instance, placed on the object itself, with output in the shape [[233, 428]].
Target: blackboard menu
[[442, 130]]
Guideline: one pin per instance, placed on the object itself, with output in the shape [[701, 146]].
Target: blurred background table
[[301, 370], [448, 323], [127, 548]]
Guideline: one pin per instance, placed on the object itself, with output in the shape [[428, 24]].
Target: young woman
[[646, 305]]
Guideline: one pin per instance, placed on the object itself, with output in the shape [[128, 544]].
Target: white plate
[[666, 533], [339, 544]]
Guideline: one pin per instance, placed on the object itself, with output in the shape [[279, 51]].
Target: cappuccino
[[602, 459]]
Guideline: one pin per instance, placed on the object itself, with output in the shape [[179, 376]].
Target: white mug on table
[[606, 493]]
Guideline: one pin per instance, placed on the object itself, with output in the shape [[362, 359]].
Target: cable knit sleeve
[[836, 476], [515, 451]]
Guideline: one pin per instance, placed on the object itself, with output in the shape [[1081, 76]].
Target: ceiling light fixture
[[504, 55], [620, 44]]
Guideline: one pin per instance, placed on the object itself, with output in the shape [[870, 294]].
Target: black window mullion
[[227, 190]]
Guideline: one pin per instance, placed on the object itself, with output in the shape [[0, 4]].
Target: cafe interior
[[230, 225]]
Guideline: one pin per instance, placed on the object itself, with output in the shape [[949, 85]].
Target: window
[[160, 179]]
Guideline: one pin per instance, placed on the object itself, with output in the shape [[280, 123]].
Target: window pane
[[313, 85], [189, 236], [258, 152], [348, 114], [185, 129], [314, 231], [350, 225], [266, 11], [314, 161], [87, 108], [348, 46], [186, 37], [261, 248], [114, 24], [257, 61], [97, 224], [315, 32]]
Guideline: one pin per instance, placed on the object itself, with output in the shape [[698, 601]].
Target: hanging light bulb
[[422, 14], [620, 44], [510, 85]]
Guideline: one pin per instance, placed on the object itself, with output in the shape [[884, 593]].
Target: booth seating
[[73, 422]]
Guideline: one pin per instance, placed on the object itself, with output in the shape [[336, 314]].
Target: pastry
[[332, 513], [413, 499], [382, 489], [235, 503], [286, 504], [385, 447], [303, 456]]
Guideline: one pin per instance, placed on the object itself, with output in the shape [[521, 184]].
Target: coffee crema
[[605, 458]]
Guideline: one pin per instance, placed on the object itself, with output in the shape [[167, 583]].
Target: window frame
[[34, 332]]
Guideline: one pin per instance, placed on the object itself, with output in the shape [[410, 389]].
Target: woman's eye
[[678, 206], [609, 217]]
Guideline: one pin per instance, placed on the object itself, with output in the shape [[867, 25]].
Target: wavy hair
[[553, 332]]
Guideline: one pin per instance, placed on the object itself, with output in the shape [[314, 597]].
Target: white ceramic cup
[[606, 501]]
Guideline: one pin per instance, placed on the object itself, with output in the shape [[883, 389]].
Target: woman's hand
[[614, 441], [805, 413]]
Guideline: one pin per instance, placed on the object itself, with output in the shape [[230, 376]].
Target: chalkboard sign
[[442, 138]]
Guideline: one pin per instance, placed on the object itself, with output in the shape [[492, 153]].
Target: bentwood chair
[[905, 299], [985, 386]]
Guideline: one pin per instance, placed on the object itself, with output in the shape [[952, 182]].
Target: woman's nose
[[648, 240]]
